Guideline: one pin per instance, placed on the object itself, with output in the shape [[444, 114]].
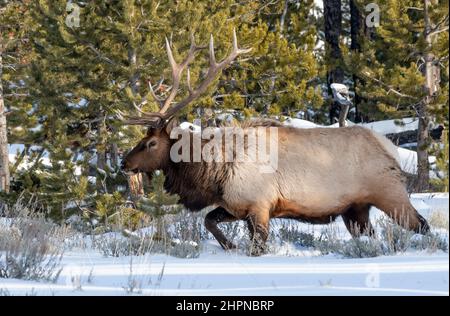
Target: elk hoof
[[228, 245], [423, 228]]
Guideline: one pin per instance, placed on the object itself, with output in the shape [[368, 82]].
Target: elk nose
[[122, 165]]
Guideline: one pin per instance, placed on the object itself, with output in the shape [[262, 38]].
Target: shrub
[[31, 247], [291, 233], [438, 219], [117, 245], [391, 240], [395, 238], [430, 242]]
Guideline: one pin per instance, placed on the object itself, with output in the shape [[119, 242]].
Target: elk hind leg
[[396, 204], [357, 221], [212, 219]]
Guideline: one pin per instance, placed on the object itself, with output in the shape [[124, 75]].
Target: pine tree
[[280, 76], [442, 158], [401, 65], [158, 203], [15, 122]]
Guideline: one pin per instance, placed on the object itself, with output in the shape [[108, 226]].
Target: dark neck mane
[[201, 184], [198, 184]]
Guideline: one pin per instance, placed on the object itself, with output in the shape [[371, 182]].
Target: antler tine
[[138, 108], [212, 55], [177, 69], [155, 120], [235, 52], [235, 43], [191, 54], [188, 80], [236, 48], [172, 61], [152, 92]]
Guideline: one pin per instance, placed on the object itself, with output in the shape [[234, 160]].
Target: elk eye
[[151, 143]]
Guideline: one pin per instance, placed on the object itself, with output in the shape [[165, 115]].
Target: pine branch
[[99, 54], [16, 95], [437, 29], [388, 87], [435, 32]]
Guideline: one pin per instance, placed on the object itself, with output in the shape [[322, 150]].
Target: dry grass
[[439, 219], [31, 247]]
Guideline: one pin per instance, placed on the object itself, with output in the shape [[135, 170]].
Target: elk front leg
[[258, 225], [216, 216]]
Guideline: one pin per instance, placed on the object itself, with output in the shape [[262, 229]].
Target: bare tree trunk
[[333, 28], [343, 115], [356, 31], [4, 157], [423, 170], [283, 16], [356, 26], [431, 85], [101, 155], [114, 155], [135, 182]]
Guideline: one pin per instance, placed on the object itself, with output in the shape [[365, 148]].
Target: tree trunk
[[136, 185], [343, 115], [431, 86], [356, 31], [114, 155], [335, 73], [101, 155], [423, 170], [283, 16], [356, 26], [135, 182], [4, 157]]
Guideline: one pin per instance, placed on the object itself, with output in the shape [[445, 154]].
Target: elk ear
[[173, 123]]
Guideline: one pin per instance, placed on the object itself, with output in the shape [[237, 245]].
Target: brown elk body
[[322, 173]]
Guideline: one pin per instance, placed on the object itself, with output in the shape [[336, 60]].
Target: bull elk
[[322, 173]]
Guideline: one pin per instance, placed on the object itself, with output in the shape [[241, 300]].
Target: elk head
[[152, 152]]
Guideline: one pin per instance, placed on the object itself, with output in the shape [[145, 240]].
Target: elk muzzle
[[127, 168]]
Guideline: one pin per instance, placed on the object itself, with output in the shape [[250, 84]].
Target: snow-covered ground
[[287, 271], [219, 273]]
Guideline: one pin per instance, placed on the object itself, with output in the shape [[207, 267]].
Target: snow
[[288, 271], [229, 274], [381, 127], [341, 93], [299, 123], [408, 161], [189, 126], [15, 150], [391, 127]]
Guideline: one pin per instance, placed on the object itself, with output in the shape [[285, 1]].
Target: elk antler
[[158, 119]]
